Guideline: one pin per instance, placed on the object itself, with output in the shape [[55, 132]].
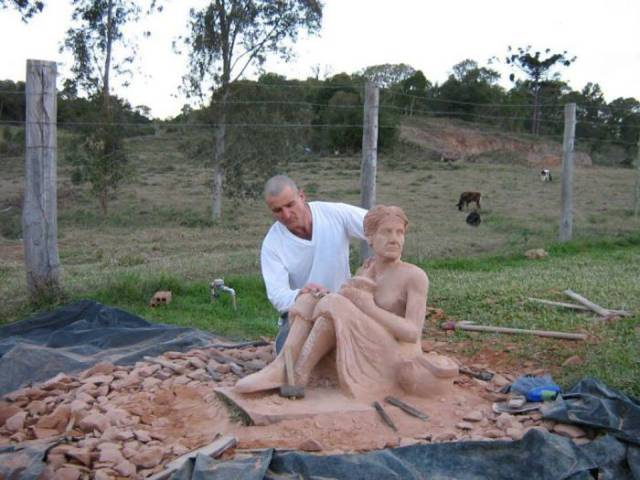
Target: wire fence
[[428, 155]]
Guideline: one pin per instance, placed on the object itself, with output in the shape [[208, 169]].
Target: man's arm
[[276, 279], [353, 220]]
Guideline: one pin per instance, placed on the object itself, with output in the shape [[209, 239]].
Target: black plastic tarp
[[74, 337], [538, 455], [591, 403]]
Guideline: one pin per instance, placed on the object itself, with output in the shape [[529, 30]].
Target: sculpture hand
[[363, 300]]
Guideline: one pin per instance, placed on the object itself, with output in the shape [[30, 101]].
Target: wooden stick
[[212, 450], [587, 303], [603, 312], [385, 417], [222, 358], [560, 304], [255, 343], [288, 363], [405, 407], [540, 333], [622, 313]]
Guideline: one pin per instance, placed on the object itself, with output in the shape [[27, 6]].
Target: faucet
[[218, 287]]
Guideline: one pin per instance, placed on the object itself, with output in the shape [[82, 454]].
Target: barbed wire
[[461, 102], [199, 125], [483, 128]]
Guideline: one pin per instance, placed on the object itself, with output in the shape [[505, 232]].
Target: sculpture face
[[290, 209], [388, 240]]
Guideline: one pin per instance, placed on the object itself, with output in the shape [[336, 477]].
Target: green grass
[[493, 291], [490, 291], [191, 305]]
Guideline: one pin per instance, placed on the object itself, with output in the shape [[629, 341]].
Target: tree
[[625, 125], [338, 116], [256, 143], [229, 36], [591, 116], [467, 88], [388, 74], [93, 39], [413, 91], [27, 8], [539, 72]]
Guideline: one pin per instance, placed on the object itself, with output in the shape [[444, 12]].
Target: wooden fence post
[[369, 154], [636, 195], [39, 212], [566, 221]]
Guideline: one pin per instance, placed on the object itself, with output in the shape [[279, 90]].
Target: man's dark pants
[[283, 332]]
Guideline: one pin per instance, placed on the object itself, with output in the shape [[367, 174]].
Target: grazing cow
[[467, 197], [545, 175]]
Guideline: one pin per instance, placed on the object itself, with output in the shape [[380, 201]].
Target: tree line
[[256, 126]]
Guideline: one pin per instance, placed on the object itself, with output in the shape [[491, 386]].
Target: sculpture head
[[288, 204], [385, 228]]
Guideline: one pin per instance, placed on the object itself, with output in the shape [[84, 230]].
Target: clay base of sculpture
[[427, 375]]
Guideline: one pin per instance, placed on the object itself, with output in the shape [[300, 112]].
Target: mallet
[[290, 390]]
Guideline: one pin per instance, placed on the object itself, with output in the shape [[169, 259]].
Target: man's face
[[388, 240], [290, 209]]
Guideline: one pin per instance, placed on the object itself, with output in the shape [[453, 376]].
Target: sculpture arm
[[404, 329]]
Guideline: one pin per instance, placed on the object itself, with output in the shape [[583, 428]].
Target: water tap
[[218, 287]]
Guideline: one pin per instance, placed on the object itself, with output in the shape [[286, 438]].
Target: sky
[[431, 36]]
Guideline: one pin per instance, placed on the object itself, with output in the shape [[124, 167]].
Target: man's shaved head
[[275, 185]]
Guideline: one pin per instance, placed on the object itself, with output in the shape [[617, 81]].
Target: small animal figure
[[467, 197], [545, 175]]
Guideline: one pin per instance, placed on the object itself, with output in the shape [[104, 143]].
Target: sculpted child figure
[[373, 325]]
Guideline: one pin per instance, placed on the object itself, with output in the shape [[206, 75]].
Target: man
[[307, 248]]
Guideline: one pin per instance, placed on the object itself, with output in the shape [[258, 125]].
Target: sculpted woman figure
[[374, 325]]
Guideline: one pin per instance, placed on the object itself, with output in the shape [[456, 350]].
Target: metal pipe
[[218, 287]]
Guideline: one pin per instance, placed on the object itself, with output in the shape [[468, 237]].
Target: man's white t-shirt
[[289, 262]]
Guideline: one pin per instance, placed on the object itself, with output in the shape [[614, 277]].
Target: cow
[[545, 175], [473, 219], [467, 197]]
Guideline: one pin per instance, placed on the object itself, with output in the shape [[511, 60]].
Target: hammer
[[290, 390]]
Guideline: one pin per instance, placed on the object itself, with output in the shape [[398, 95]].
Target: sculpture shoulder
[[415, 275]]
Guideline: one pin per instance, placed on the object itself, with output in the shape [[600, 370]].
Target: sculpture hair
[[377, 214]]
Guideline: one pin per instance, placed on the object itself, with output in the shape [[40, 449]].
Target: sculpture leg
[[273, 375], [321, 341]]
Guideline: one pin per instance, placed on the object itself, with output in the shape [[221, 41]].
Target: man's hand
[[314, 289]]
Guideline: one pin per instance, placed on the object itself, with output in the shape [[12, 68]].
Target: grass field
[[158, 235]]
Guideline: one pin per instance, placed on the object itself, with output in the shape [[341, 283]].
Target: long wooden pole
[[369, 154], [566, 221], [39, 213], [636, 195], [539, 333]]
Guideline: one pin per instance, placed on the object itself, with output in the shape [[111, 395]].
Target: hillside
[[453, 141]]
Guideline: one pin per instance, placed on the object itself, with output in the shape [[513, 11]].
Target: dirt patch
[[454, 142], [136, 419]]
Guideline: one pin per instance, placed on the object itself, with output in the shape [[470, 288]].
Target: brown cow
[[467, 197]]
